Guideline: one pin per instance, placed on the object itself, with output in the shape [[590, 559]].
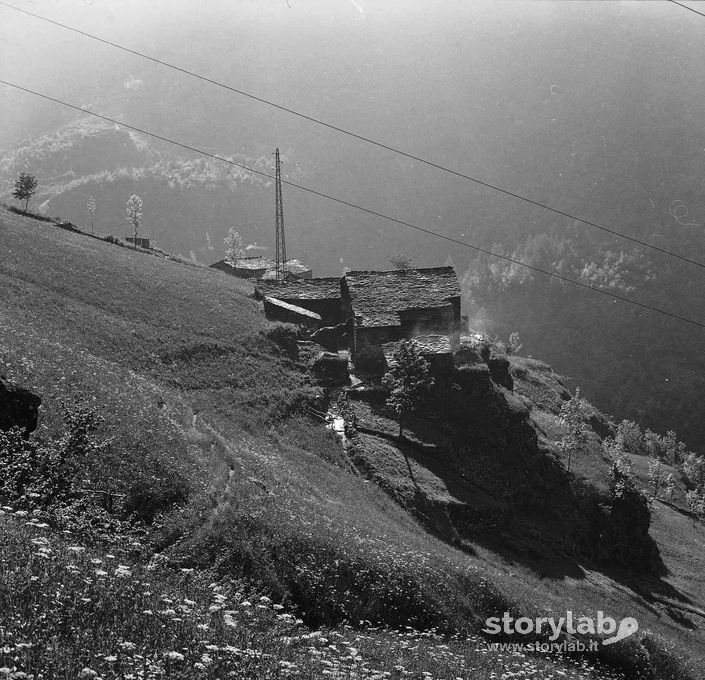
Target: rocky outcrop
[[18, 407]]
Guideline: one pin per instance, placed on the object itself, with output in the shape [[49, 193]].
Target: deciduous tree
[[25, 186], [574, 439], [90, 210], [408, 381], [134, 214], [234, 249]]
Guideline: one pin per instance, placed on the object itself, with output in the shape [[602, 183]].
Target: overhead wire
[[359, 137], [355, 206]]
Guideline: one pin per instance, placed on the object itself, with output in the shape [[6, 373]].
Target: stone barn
[[320, 296], [387, 306], [258, 267]]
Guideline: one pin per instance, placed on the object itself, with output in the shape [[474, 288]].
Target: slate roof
[[426, 344], [292, 266], [258, 262], [255, 262], [379, 296], [293, 308], [301, 289]]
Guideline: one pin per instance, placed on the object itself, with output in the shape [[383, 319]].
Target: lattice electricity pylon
[[279, 222]]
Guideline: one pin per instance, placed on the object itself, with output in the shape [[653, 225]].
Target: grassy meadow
[[247, 544]]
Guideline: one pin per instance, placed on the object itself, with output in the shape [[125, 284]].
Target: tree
[[90, 210], [408, 381], [514, 344], [574, 440], [657, 478], [620, 476], [134, 213], [234, 249], [696, 503], [669, 486], [401, 262], [25, 186]]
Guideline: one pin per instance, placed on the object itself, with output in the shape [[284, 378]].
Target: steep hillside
[[205, 405]]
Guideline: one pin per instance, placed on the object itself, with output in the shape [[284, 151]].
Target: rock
[[18, 407], [499, 370]]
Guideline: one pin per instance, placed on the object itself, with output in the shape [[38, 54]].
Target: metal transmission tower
[[279, 222]]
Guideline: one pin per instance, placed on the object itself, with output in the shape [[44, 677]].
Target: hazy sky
[[595, 106]]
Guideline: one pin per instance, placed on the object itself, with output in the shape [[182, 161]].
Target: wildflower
[[100, 572], [111, 659], [127, 646], [87, 673], [76, 548], [174, 656]]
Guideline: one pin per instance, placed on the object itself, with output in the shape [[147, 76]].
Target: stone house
[[387, 306]]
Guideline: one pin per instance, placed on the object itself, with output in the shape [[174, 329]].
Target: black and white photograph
[[352, 339]]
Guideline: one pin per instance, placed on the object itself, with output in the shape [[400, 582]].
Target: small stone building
[[387, 306], [278, 310], [258, 267], [435, 348], [321, 296]]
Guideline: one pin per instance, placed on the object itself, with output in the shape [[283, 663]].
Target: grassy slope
[[680, 540], [664, 607], [174, 356]]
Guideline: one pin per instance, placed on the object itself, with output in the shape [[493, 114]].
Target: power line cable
[[361, 208], [690, 9], [358, 137]]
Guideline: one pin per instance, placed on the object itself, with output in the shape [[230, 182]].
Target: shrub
[[285, 336], [47, 474], [114, 239]]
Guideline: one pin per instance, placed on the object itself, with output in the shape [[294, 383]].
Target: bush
[[47, 474], [285, 336], [28, 213], [114, 239]]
